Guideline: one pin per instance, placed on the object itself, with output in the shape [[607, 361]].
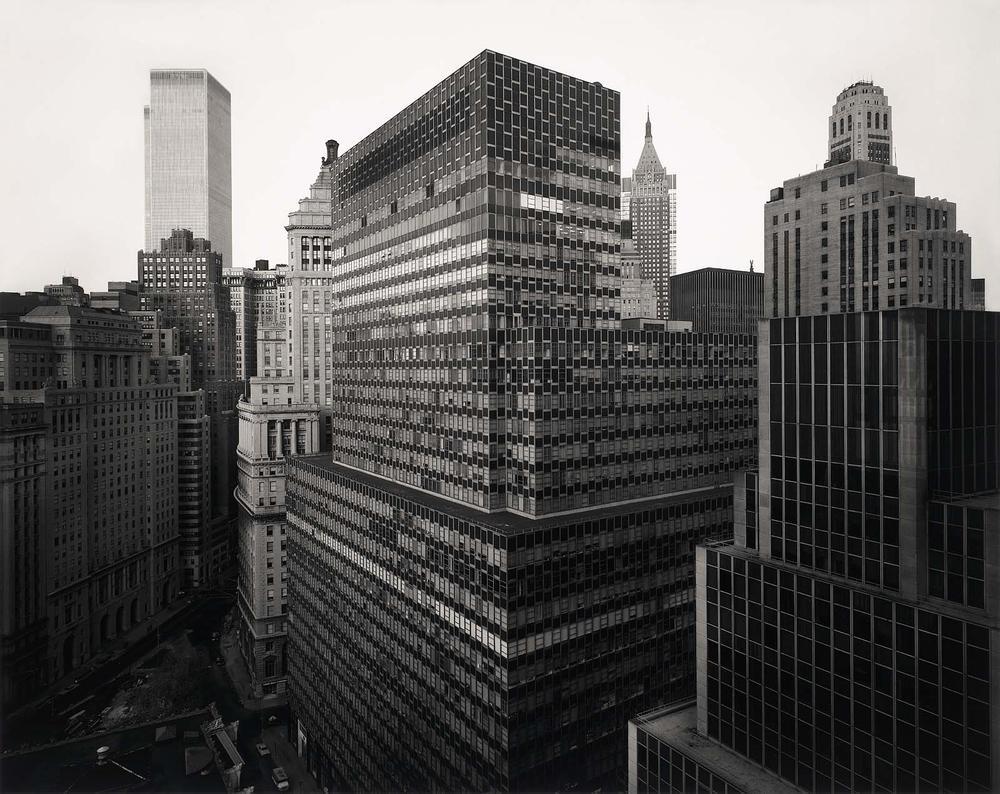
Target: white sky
[[739, 93]]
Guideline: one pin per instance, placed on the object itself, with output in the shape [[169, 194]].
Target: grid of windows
[[503, 640], [662, 768], [956, 551], [715, 300], [832, 686], [834, 445]]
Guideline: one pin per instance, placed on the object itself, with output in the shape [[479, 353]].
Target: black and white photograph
[[439, 396]]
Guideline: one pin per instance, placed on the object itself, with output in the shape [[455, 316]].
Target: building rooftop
[[136, 761], [719, 270], [504, 521], [676, 725]]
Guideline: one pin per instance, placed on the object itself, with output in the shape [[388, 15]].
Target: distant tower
[[653, 212], [861, 125], [189, 181]]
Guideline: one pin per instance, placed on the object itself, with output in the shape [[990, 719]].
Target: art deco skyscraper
[[188, 159], [495, 557], [861, 125], [653, 212], [854, 236]]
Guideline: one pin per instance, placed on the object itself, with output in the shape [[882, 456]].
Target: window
[[822, 209], [822, 186]]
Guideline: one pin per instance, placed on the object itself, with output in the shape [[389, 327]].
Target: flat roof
[[676, 725], [504, 521], [136, 762]]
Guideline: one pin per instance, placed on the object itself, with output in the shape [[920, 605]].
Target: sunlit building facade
[[652, 210], [188, 158], [493, 560]]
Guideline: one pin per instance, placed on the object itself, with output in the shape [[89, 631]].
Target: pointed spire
[[648, 160]]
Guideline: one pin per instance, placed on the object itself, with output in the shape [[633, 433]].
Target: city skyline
[[711, 131], [469, 491]]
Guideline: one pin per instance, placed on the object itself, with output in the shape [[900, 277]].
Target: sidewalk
[[240, 676]]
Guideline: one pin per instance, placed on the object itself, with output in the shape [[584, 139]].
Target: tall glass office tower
[[495, 559], [188, 159]]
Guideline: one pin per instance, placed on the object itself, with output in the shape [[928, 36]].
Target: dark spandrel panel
[[858, 691], [410, 603], [422, 135]]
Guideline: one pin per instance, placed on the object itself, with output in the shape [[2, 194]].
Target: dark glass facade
[[718, 301], [491, 569], [857, 646], [466, 651], [835, 687]]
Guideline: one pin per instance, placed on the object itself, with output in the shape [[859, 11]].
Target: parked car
[[280, 778], [262, 750]]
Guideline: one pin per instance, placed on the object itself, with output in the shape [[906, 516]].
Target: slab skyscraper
[[495, 557], [188, 159]]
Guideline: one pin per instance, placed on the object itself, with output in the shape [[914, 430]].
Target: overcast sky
[[739, 93]]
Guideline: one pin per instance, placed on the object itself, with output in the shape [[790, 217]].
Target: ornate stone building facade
[[88, 489], [274, 426]]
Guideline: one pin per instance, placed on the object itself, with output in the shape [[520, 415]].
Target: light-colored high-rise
[[188, 159], [257, 297], [861, 125], [274, 425], [310, 291], [652, 208], [855, 236]]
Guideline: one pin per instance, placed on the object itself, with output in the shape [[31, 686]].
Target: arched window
[[833, 132], [841, 126], [885, 121], [869, 119], [876, 121], [850, 123]]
